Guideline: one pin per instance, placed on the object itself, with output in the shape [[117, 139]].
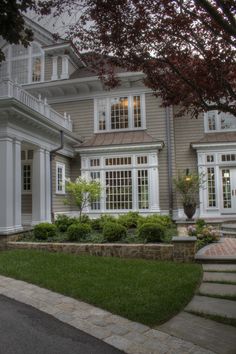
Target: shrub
[[44, 231], [163, 220], [78, 231], [113, 232], [84, 219], [129, 220], [151, 232], [63, 222], [98, 224]]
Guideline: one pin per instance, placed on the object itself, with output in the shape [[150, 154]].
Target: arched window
[[24, 65]]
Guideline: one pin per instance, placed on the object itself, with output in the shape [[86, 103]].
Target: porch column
[[10, 185], [41, 187]]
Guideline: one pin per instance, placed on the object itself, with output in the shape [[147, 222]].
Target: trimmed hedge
[[44, 231], [63, 222], [113, 232], [151, 232], [78, 231]]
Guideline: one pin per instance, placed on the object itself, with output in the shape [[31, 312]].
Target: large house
[[123, 137]]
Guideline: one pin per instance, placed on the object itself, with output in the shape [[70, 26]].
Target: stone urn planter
[[189, 210]]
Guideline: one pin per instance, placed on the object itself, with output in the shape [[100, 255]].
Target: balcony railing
[[8, 89]]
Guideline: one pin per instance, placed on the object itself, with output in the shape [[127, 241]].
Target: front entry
[[228, 190]]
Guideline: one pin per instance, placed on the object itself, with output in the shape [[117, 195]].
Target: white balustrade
[[8, 89]]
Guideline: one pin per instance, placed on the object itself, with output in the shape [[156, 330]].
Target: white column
[[54, 68], [10, 186], [154, 183], [65, 67], [41, 187]]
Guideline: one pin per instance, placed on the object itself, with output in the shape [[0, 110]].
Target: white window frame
[[130, 112], [153, 179], [217, 123], [26, 161], [29, 57], [63, 167]]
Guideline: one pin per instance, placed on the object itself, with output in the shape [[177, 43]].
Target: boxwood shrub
[[78, 231], [113, 232], [151, 232], [63, 222], [129, 220], [44, 231]]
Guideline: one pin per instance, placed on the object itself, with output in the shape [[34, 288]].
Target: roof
[[118, 138], [214, 138]]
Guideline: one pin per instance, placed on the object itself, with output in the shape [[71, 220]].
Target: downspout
[[52, 153], [169, 160]]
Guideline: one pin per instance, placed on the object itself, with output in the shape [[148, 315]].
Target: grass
[[224, 320], [149, 292]]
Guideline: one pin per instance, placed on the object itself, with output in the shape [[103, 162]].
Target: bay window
[[119, 113]]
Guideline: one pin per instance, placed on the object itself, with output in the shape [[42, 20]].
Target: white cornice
[[201, 146]]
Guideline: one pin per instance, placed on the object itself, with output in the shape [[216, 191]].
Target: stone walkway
[[128, 336], [214, 299], [224, 250]]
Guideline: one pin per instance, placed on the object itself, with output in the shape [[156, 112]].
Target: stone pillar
[[10, 185], [184, 248], [41, 187]]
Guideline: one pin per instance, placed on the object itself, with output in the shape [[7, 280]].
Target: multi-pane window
[[119, 113], [26, 159], [116, 161], [27, 178], [219, 121], [210, 158], [118, 190], [143, 195], [21, 64], [226, 185], [94, 162], [96, 205], [228, 157], [60, 178], [142, 160], [211, 187]]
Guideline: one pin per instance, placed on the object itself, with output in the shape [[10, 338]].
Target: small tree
[[82, 193]]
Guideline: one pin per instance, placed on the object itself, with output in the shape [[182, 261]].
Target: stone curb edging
[[131, 337]]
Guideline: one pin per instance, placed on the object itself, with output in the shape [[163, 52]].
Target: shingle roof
[[118, 138], [229, 137]]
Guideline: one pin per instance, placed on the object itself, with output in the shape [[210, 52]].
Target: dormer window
[[219, 121], [23, 65], [125, 112]]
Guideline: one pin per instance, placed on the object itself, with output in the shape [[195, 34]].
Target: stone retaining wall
[[145, 251]]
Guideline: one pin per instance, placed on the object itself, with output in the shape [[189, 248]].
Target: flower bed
[[205, 233]]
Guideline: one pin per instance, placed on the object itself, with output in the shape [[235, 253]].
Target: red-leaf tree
[[185, 48]]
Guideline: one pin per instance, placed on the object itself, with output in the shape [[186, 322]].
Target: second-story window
[[24, 65], [60, 178], [219, 121], [119, 113]]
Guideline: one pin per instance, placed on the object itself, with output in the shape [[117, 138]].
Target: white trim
[[114, 148], [210, 146], [63, 168]]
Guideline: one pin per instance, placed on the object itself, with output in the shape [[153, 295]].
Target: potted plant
[[187, 186]]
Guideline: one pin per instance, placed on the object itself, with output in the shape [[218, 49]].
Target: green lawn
[[149, 292]]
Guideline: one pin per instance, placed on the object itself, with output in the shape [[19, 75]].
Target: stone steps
[[228, 230], [219, 277], [219, 267], [213, 289], [212, 306], [211, 335]]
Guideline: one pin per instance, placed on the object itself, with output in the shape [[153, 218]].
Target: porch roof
[[112, 139], [216, 138]]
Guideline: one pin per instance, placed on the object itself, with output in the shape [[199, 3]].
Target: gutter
[[169, 161], [52, 154]]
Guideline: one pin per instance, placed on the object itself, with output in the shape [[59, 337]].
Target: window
[[211, 187], [210, 158], [228, 158], [26, 168], [24, 65], [125, 181], [219, 121], [60, 178], [226, 185], [119, 113]]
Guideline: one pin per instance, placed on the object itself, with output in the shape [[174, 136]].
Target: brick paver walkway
[[225, 248]]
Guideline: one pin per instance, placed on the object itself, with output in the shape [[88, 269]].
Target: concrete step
[[212, 306], [219, 277], [228, 230], [217, 289], [219, 267], [208, 334]]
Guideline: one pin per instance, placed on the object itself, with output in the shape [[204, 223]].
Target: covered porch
[[29, 131]]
